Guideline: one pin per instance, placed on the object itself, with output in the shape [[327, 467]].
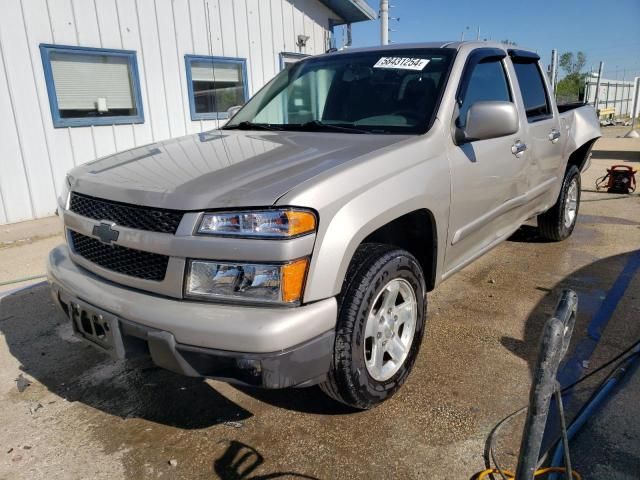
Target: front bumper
[[264, 346]]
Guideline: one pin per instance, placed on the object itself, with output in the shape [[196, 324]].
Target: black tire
[[372, 268], [551, 223]]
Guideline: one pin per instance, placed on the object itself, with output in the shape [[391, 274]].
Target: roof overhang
[[351, 11]]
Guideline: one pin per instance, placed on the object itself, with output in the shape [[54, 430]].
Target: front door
[[487, 177]]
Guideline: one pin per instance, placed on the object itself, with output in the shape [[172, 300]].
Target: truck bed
[[581, 125], [565, 107]]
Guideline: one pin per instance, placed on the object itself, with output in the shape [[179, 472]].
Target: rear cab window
[[532, 88]]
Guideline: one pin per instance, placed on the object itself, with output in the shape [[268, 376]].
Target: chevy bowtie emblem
[[105, 233]]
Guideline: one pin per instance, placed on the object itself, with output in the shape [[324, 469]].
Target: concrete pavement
[[84, 416]]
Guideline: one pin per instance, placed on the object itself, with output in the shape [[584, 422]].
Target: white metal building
[[81, 79]]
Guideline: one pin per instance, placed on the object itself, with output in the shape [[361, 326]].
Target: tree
[[509, 43], [572, 64], [570, 86]]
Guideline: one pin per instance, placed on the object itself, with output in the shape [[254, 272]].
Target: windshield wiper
[[317, 125], [251, 126], [313, 125]]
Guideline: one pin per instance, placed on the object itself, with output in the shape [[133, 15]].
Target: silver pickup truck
[[295, 245]]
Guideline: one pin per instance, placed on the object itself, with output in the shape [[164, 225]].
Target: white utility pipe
[[384, 22]]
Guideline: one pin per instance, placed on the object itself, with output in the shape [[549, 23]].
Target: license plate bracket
[[100, 328]]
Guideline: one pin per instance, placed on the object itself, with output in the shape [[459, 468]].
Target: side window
[[488, 82], [536, 102], [214, 85]]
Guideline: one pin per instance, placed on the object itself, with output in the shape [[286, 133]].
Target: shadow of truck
[[39, 336]]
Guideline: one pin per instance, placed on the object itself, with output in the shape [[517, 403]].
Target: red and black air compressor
[[619, 179]]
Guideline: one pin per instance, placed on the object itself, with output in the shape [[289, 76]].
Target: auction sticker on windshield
[[402, 63]]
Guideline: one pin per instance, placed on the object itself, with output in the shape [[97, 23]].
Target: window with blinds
[[215, 84], [90, 86]]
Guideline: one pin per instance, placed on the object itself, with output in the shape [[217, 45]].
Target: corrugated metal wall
[[34, 156]]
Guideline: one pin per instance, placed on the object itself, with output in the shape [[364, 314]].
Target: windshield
[[393, 91]]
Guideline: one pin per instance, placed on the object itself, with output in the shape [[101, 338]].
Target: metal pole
[[615, 96], [627, 99], [586, 90], [478, 33], [623, 100], [587, 86], [636, 101], [634, 113], [384, 22], [595, 100], [554, 70]]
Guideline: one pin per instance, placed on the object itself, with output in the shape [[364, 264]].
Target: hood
[[221, 168]]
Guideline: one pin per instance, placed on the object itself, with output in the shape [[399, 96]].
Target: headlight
[[250, 282], [267, 223]]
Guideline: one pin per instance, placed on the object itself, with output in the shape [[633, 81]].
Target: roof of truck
[[441, 44]]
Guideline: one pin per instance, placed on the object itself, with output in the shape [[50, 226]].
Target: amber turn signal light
[[294, 275], [300, 222]]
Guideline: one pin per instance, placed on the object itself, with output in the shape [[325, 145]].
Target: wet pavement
[[85, 416]]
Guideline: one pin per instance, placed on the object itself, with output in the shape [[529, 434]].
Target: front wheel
[[558, 222], [380, 326]]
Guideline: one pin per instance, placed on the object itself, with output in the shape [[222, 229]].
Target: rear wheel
[[380, 326], [558, 222]]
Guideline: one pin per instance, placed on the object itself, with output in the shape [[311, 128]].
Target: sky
[[605, 30]]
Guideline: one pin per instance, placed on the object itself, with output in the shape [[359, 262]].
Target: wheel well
[[580, 155], [416, 233]]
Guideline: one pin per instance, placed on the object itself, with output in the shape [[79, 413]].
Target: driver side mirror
[[231, 111], [487, 120]]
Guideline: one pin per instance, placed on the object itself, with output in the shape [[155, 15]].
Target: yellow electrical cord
[[543, 471]]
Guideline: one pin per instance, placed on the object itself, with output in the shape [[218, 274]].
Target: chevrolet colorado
[[295, 245]]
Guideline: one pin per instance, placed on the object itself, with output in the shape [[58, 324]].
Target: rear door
[[486, 175], [544, 130]]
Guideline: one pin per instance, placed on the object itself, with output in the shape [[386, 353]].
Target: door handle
[[554, 136], [518, 148]]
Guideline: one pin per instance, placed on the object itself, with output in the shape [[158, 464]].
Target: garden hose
[[542, 471]]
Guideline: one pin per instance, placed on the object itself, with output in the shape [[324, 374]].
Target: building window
[[91, 86], [288, 59], [215, 84]]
